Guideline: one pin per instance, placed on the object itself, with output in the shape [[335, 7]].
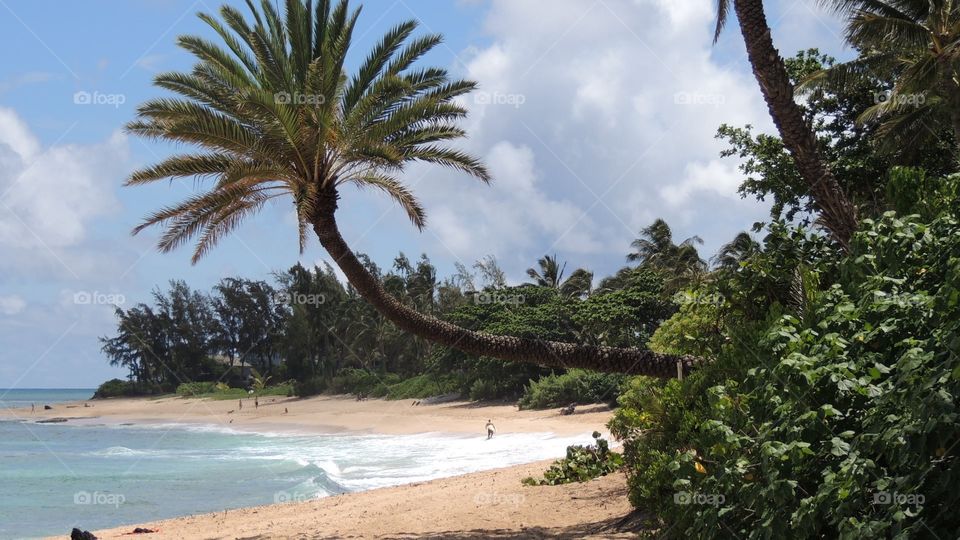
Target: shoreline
[[473, 505], [321, 415], [486, 504]]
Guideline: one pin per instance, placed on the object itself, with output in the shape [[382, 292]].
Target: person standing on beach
[[241, 403], [256, 402], [491, 429]]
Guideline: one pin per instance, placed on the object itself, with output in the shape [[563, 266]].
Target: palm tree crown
[[550, 274], [655, 250], [275, 115], [914, 44]]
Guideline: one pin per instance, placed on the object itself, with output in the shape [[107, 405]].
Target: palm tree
[[731, 254], [654, 249], [550, 275], [913, 43], [839, 215], [276, 116]]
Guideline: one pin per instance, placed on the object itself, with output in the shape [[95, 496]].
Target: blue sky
[[595, 116]]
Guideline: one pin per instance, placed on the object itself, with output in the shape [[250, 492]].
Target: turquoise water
[[23, 397], [58, 476]]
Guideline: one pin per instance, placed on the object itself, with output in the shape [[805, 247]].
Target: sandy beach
[[489, 504], [486, 504], [323, 414]]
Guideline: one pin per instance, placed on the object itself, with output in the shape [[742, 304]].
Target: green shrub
[[581, 464], [421, 386], [224, 394], [575, 386], [482, 389], [354, 381], [122, 388], [310, 387], [194, 389], [838, 419]]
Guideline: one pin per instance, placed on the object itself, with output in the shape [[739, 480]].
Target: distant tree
[[679, 263], [736, 251], [550, 273]]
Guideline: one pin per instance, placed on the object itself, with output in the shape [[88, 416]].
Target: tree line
[[308, 326]]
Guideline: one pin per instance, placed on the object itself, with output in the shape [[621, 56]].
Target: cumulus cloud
[[596, 118], [11, 305], [49, 197]]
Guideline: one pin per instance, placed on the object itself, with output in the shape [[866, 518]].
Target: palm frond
[[396, 190]]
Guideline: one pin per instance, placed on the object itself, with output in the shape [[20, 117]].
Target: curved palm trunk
[[546, 353], [839, 215]]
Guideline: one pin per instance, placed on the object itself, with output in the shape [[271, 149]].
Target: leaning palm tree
[[274, 115], [914, 44], [839, 214], [550, 274]]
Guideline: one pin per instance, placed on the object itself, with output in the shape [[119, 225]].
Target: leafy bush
[[575, 386], [485, 389], [310, 387], [837, 419], [581, 464], [228, 393], [194, 389], [354, 381], [122, 388], [421, 386]]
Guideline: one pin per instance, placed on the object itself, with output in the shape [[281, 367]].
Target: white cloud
[[48, 197], [596, 118], [11, 305]]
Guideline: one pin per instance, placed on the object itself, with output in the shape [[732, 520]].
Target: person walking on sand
[[256, 402], [240, 401], [491, 429]]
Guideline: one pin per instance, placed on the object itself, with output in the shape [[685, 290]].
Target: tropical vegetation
[[804, 382]]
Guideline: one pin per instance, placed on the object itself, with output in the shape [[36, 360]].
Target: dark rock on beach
[[77, 534]]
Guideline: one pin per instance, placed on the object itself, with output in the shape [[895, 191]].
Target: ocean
[[23, 397], [93, 475]]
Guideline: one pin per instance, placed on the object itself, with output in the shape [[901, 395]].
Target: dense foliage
[[582, 463], [841, 419], [830, 410], [312, 330], [576, 386]]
